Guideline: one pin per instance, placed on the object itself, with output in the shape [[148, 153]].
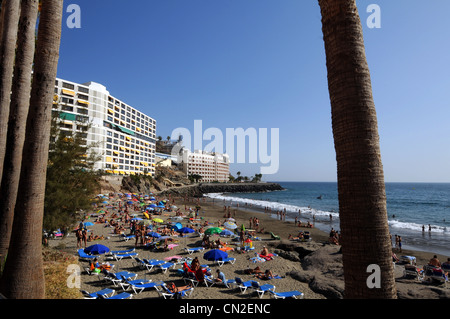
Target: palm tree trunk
[[10, 20], [20, 100], [362, 198], [23, 277]]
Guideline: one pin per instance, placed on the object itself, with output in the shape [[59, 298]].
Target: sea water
[[411, 207]]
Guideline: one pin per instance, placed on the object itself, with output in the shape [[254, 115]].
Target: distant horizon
[[274, 181]]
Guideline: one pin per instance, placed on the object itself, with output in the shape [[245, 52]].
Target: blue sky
[[261, 64]]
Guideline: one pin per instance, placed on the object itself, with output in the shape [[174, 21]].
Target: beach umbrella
[[213, 230], [160, 206], [226, 232], [88, 224], [186, 230], [158, 220], [152, 205], [154, 234], [177, 226], [215, 254], [136, 219], [96, 249], [230, 225]]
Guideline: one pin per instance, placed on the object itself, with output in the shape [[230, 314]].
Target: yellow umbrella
[[157, 220]]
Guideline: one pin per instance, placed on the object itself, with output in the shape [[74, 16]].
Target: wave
[[417, 227], [275, 206], [320, 215]]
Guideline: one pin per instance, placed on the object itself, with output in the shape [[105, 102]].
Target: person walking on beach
[[79, 235], [84, 237]]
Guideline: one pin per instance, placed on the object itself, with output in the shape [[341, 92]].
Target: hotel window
[[83, 97], [82, 111], [67, 108], [68, 86], [67, 100], [83, 90]]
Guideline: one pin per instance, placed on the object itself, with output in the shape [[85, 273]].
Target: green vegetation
[[71, 180]]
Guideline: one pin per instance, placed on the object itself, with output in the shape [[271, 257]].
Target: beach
[[292, 270]]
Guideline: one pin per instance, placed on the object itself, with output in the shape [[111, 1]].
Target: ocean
[[410, 207]]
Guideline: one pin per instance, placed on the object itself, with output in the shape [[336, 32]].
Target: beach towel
[[268, 257], [257, 260]]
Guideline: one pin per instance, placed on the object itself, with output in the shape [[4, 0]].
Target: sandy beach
[[289, 270]]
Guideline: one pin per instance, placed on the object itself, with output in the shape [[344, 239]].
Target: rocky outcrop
[[321, 266], [199, 190]]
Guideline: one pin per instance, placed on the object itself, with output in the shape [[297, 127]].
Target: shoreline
[[424, 242], [423, 256]]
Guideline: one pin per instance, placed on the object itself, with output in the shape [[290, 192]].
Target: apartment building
[[212, 167], [122, 135]]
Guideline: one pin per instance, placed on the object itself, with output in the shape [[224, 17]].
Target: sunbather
[[174, 289], [264, 251], [434, 262], [266, 275], [257, 270]]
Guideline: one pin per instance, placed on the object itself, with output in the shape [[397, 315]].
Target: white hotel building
[[124, 137], [212, 167]]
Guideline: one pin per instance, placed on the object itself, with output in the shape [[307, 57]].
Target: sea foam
[[274, 206]]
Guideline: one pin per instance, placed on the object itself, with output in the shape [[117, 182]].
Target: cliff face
[[121, 184]]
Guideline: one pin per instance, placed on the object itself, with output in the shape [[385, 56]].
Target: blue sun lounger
[[140, 287], [243, 285], [85, 256], [122, 295], [164, 267], [121, 256], [193, 250], [166, 293], [288, 294], [230, 260], [116, 278], [106, 293], [115, 252], [262, 289], [149, 264]]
